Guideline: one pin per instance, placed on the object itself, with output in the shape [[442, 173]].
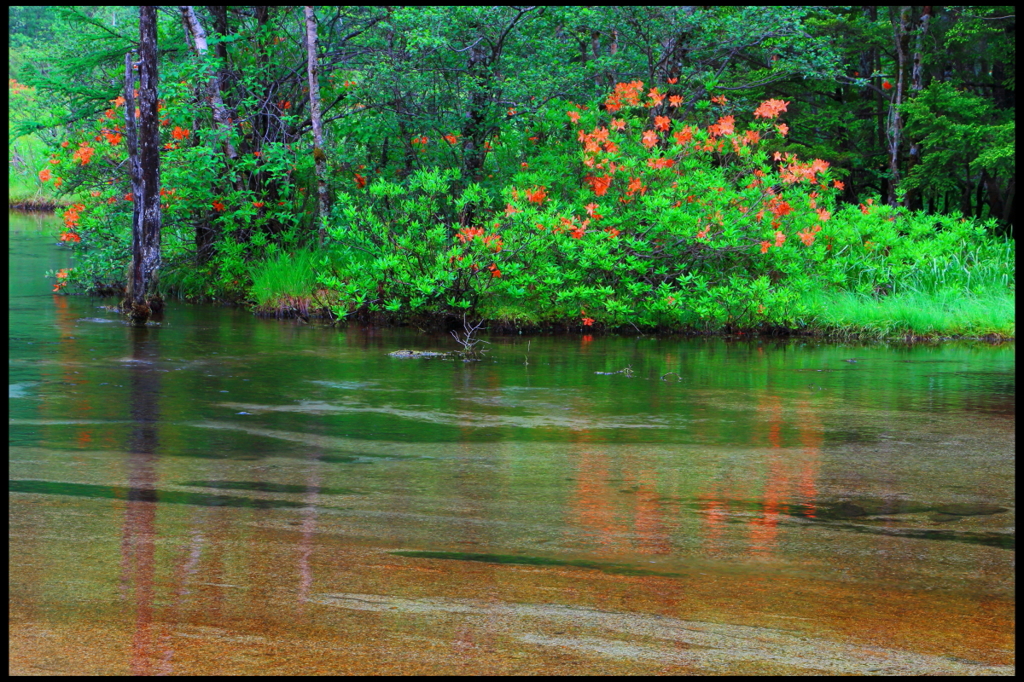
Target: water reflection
[[229, 470]]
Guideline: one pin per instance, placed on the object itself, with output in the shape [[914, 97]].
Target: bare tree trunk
[[220, 112], [144, 150], [319, 156], [913, 199], [894, 126]]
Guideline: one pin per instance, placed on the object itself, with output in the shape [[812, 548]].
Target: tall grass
[[284, 282], [961, 295]]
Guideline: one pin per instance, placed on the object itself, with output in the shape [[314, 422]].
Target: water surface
[[219, 493]]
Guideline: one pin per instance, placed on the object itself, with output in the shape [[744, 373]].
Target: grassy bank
[[25, 193], [972, 297]]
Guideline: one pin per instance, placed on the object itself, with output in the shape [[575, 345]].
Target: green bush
[[627, 216]]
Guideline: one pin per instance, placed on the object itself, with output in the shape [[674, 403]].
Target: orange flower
[[69, 237], [612, 232], [360, 181], [770, 108], [257, 204], [495, 272], [493, 241], [119, 101], [673, 81], [285, 104], [838, 185], [683, 136], [765, 246], [886, 85], [720, 99], [783, 129], [83, 153], [650, 138], [451, 139], [574, 116], [660, 163], [45, 175], [179, 133], [600, 184], [537, 196], [656, 97], [468, 233], [779, 208], [588, 321], [662, 123], [619, 124], [723, 127], [807, 237], [636, 185], [57, 182], [780, 238], [217, 206], [675, 101]]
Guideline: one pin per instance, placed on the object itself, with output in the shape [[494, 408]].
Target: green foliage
[[698, 227], [961, 134], [283, 279], [445, 125]]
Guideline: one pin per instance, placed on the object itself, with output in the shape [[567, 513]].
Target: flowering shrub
[[623, 215], [627, 212], [249, 204]]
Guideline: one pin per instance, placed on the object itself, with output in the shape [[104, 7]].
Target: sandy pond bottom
[[112, 611], [220, 494]]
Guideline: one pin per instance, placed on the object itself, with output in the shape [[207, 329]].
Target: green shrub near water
[[283, 281], [622, 216], [968, 295], [622, 221]]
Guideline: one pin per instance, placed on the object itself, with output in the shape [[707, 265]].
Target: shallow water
[[220, 493]]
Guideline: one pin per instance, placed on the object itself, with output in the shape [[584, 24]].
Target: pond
[[225, 494]]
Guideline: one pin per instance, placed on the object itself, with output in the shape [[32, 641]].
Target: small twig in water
[[468, 340]]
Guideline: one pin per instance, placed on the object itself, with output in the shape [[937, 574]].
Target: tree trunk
[[474, 132], [894, 123], [313, 70], [220, 112], [144, 151], [913, 199]]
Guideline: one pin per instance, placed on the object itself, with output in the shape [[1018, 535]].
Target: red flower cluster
[[61, 274], [770, 109], [625, 94], [536, 196], [83, 153]]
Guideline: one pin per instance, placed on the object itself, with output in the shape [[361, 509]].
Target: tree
[[144, 150], [313, 72]]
